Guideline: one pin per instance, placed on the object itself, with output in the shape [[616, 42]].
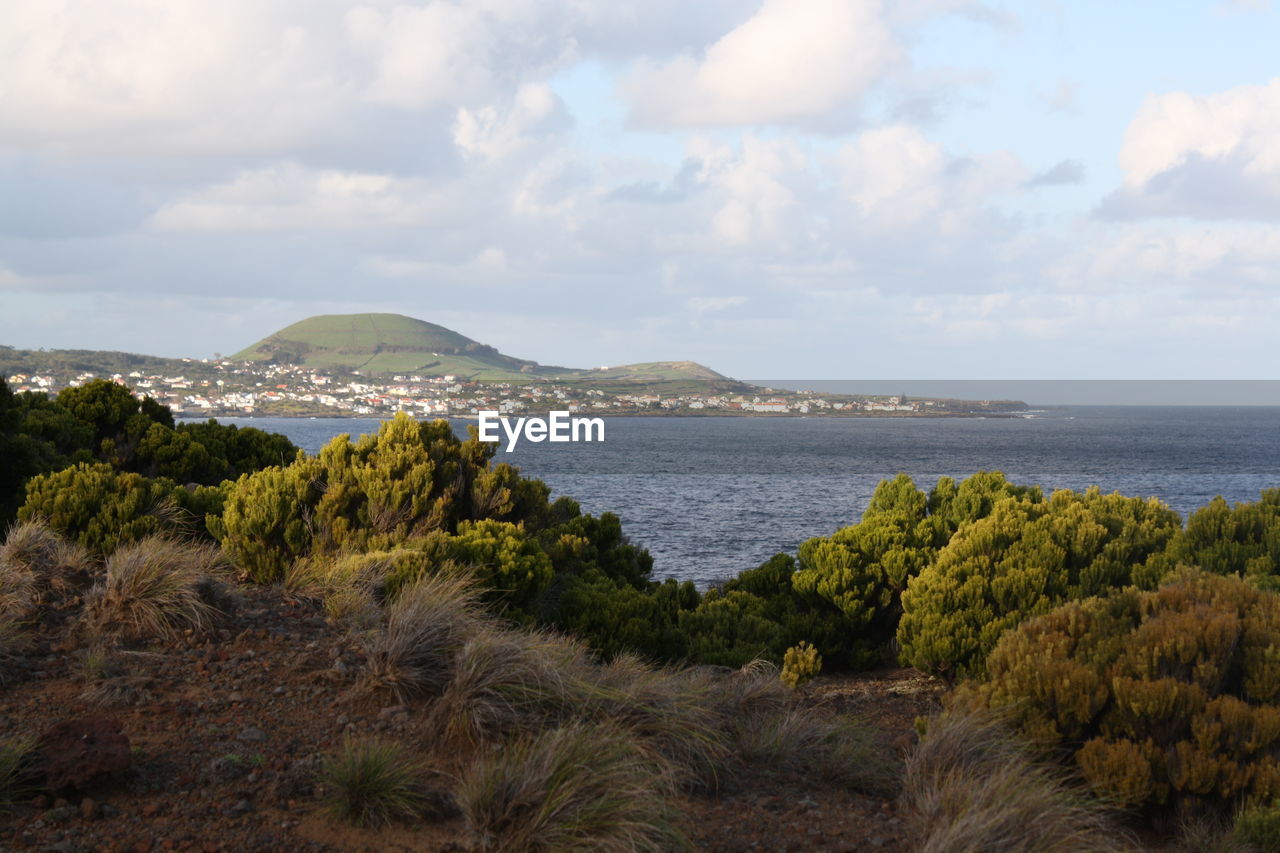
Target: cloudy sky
[[776, 188]]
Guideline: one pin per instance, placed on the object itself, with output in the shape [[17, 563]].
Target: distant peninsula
[[374, 365]]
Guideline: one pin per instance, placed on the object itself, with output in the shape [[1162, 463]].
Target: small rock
[[40, 802], [242, 807], [60, 815], [252, 735], [392, 712], [89, 809], [235, 697]]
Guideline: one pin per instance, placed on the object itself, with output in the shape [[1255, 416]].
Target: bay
[[711, 496]]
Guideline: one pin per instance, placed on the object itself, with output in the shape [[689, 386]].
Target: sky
[[833, 189]]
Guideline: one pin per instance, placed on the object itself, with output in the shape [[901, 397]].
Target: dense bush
[[1243, 539], [1020, 561], [760, 614], [104, 422], [405, 482], [1165, 698], [862, 569], [102, 508]]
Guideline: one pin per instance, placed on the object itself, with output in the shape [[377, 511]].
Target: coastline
[[637, 414]]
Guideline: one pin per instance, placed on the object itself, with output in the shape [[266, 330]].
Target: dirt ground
[[227, 732]]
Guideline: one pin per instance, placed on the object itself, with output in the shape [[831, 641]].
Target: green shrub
[[861, 570], [732, 629], [577, 788], [1259, 828], [800, 664], [408, 481], [372, 783], [101, 508], [615, 617], [1164, 698], [1243, 539], [1020, 561]]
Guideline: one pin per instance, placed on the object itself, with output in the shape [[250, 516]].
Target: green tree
[[862, 570], [102, 508], [1020, 561], [403, 483]]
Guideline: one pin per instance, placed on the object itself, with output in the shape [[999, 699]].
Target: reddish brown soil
[[231, 728]]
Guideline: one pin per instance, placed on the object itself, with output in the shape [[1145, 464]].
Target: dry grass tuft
[[672, 714], [36, 564], [973, 787], [374, 782], [767, 724], [412, 654], [17, 776], [504, 682], [578, 788], [17, 593], [842, 750], [153, 590]]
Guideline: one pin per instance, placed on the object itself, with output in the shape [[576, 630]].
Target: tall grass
[[505, 682], [46, 560], [373, 782], [973, 787], [576, 788], [17, 779], [413, 653], [672, 715], [152, 590]]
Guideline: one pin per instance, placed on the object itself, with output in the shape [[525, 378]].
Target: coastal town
[[212, 388]]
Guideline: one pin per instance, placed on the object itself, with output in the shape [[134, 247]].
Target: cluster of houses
[[224, 388]]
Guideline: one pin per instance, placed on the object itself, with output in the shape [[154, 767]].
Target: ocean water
[[712, 496]]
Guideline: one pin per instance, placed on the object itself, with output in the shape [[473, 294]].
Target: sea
[[712, 496]]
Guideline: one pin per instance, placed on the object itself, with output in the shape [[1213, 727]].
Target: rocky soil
[[225, 734]]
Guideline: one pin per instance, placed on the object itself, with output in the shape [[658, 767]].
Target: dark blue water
[[712, 496]]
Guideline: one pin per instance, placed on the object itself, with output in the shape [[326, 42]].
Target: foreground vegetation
[[1114, 668]]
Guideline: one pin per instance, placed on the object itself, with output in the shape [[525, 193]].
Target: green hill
[[393, 343]]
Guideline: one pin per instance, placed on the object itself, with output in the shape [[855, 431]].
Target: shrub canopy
[[1163, 698], [1023, 559]]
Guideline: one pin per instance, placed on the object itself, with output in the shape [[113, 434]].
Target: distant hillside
[[393, 343], [653, 371]]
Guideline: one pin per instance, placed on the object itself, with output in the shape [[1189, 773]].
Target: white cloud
[[290, 197], [143, 75], [795, 61], [1215, 156], [1197, 258], [493, 134]]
